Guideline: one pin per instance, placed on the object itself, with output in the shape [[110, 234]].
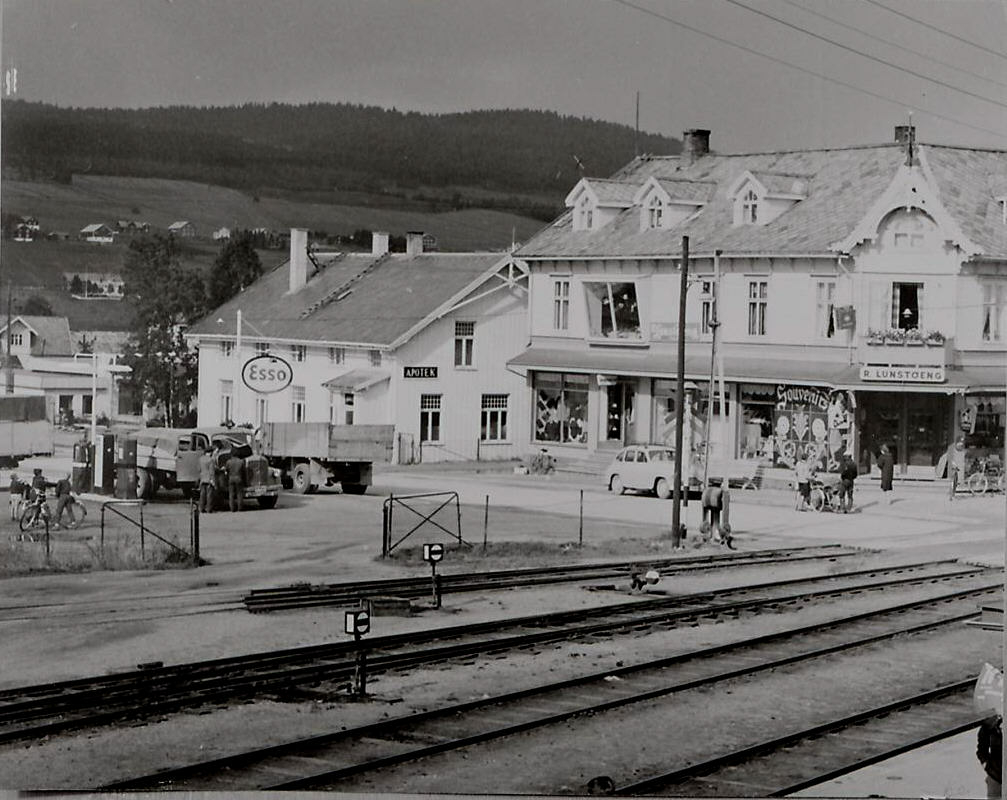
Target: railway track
[[305, 595], [47, 709], [335, 761]]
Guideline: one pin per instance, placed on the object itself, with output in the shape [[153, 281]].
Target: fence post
[[580, 540], [384, 529], [102, 540], [143, 554], [458, 508], [195, 534], [486, 521]]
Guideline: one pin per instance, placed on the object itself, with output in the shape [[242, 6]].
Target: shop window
[[757, 404], [992, 313], [430, 418], [493, 425], [825, 309], [612, 310], [561, 305], [907, 301], [985, 415], [465, 340], [758, 296], [561, 408]]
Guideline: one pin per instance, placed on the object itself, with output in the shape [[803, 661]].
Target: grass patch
[[74, 554]]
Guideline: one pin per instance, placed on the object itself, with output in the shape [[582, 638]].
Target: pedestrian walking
[[887, 466], [956, 465], [802, 474], [235, 482], [847, 475], [207, 481], [989, 745], [17, 488], [65, 501]]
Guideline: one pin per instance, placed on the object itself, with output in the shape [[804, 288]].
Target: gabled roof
[[841, 187], [93, 227], [693, 193], [54, 333], [178, 225], [391, 295], [773, 184], [604, 192]]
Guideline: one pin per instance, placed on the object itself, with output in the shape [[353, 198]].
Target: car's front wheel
[[616, 485], [662, 488]]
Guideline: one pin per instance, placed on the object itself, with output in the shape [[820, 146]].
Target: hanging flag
[[846, 317]]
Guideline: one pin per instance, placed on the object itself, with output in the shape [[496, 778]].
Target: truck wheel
[[312, 488], [144, 484], [353, 488], [267, 502], [302, 479]]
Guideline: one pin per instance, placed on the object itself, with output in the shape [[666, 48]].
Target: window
[[430, 418], [226, 401], [261, 348], [87, 404], [561, 305], [297, 410], [561, 408], [16, 339], [584, 217], [907, 300], [705, 307], [992, 315], [750, 208], [825, 308], [226, 348], [298, 351], [464, 343], [655, 212], [375, 356], [348, 402], [758, 291], [493, 427], [612, 310], [337, 355], [261, 411]]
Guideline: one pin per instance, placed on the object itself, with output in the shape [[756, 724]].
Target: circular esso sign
[[267, 374]]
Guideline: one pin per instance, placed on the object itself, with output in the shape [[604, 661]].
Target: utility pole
[[9, 372], [676, 508], [714, 324]]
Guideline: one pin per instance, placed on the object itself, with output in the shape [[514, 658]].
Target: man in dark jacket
[[65, 501], [235, 469], [988, 750], [887, 466], [847, 475]]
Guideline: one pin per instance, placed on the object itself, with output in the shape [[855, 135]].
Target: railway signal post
[[434, 553], [358, 622]]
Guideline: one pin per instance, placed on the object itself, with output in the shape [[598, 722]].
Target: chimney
[[298, 259], [695, 145], [379, 243], [414, 243]]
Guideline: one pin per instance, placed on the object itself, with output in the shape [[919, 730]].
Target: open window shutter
[[880, 305]]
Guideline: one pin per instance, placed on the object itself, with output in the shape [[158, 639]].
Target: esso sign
[[267, 374]]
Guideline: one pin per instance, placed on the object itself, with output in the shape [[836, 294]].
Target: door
[[621, 399]]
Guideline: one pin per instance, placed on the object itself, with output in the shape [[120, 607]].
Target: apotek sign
[[870, 372], [266, 374], [419, 372]]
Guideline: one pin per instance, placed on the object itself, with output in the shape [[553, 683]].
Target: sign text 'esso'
[[267, 374]]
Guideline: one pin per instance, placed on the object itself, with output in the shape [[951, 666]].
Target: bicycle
[[824, 496], [36, 514], [987, 474]]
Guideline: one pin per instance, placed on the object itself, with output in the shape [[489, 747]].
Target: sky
[[743, 69]]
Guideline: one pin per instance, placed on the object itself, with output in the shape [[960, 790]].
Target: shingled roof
[[839, 187], [353, 298], [53, 334]]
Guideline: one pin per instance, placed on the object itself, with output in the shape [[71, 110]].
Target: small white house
[[97, 233]]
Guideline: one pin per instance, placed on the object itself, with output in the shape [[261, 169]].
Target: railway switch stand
[[434, 553], [639, 581], [358, 622]]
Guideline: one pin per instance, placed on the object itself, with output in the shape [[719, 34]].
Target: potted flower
[[895, 336], [875, 337], [934, 338], [914, 337]]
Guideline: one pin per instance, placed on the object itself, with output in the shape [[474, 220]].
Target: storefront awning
[[608, 361], [356, 380]]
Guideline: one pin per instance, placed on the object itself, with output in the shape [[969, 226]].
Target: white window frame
[[627, 336], [337, 355], [758, 300], [261, 411], [226, 348], [430, 418], [750, 207], [375, 357], [825, 308], [17, 339], [298, 404], [706, 300], [584, 216], [226, 401], [655, 212], [298, 352], [261, 348], [465, 344], [494, 418], [561, 304], [991, 321]]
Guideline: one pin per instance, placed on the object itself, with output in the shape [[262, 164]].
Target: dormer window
[[655, 213], [750, 208], [585, 215]]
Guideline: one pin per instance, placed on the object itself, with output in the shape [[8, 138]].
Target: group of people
[[23, 493], [232, 472], [805, 472]]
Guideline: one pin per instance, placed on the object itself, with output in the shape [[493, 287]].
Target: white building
[[417, 340]]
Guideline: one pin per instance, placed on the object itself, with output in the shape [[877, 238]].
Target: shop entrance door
[[619, 413], [913, 425]]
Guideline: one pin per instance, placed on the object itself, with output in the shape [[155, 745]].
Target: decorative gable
[[665, 204], [597, 202], [759, 198]]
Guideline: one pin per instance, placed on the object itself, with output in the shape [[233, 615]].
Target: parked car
[[644, 468]]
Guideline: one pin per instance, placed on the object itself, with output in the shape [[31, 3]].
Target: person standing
[[207, 480], [16, 494], [956, 465], [847, 475], [235, 482], [887, 466], [802, 472], [65, 501], [989, 745]]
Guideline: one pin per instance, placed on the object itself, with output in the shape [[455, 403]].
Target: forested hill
[[321, 147]]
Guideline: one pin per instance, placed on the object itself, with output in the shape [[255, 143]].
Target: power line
[[866, 55], [819, 75], [935, 28], [887, 43]]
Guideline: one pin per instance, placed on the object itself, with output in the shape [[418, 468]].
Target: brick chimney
[[379, 243], [298, 259], [414, 243], [695, 145]]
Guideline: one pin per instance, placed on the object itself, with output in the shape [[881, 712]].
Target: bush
[[540, 463]]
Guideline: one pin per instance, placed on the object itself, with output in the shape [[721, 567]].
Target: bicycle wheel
[[818, 500], [977, 483], [29, 518]]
